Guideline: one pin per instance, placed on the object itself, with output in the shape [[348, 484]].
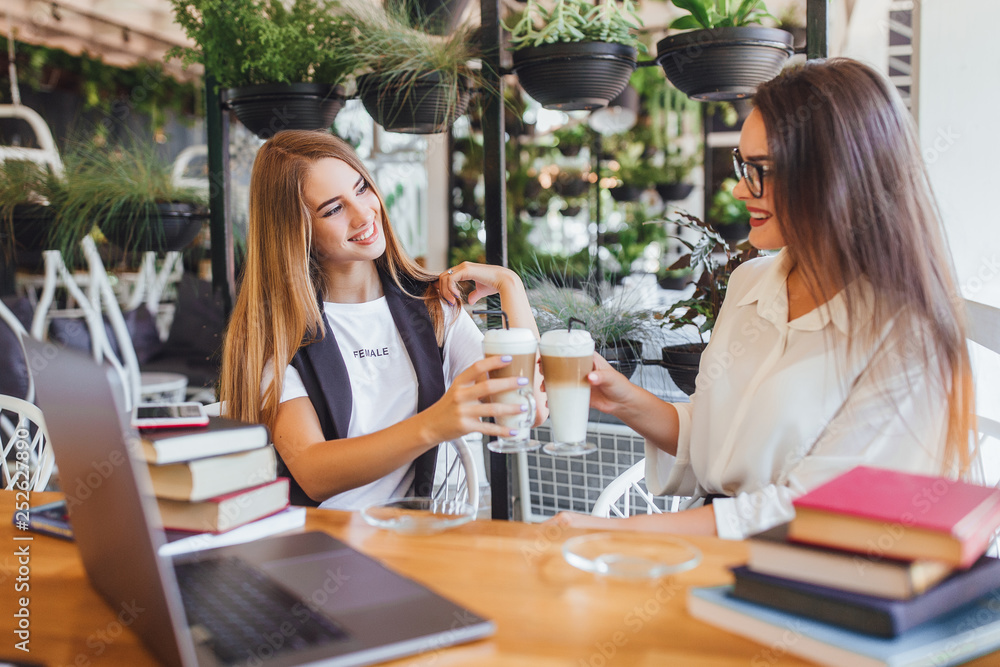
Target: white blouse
[[778, 410]]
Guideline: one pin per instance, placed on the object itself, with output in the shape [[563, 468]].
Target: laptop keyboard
[[245, 614]]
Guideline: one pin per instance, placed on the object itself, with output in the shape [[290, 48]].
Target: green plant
[[726, 209], [247, 42], [629, 242], [116, 187], [701, 309], [25, 183], [576, 21], [572, 135], [143, 88], [668, 113], [392, 42], [710, 14], [611, 315]]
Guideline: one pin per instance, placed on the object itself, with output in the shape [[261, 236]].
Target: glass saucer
[[418, 516], [628, 555]]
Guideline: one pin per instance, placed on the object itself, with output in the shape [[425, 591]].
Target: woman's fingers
[[487, 279]]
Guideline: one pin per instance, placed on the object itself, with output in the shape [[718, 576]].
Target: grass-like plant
[[708, 14], [395, 44], [576, 21], [117, 188], [611, 315], [26, 183], [248, 42]]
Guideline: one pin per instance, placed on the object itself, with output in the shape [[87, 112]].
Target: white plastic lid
[[566, 343]]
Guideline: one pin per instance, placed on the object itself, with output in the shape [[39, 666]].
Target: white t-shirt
[[775, 414], [383, 382]]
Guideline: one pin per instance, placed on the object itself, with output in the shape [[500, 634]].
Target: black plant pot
[[624, 356], [569, 150], [422, 104], [573, 76], [734, 231], [681, 362], [723, 64], [167, 226], [31, 225], [571, 187], [571, 211], [674, 191], [626, 193], [438, 17], [672, 282], [271, 107]]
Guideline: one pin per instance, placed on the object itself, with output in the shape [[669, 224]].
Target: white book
[[180, 542]]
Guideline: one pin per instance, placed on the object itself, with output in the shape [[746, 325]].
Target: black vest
[[324, 375]]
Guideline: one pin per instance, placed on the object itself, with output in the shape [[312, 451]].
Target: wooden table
[[547, 613]]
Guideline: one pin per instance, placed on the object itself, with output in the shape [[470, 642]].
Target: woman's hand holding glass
[[467, 402], [521, 346]]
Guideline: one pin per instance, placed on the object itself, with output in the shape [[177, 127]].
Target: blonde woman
[[847, 347], [358, 361]]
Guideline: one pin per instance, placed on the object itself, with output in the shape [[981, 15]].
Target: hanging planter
[[572, 76], [414, 103], [681, 362], [623, 355], [30, 225], [163, 227], [723, 64], [674, 191], [271, 107], [626, 193]]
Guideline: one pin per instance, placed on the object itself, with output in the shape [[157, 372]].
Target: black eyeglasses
[[752, 173]]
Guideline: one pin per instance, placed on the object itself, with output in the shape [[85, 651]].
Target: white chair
[[15, 325], [57, 275], [149, 286], [27, 462], [101, 298], [46, 154], [626, 495], [460, 478]]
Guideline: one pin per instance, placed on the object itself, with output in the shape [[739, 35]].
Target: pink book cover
[[933, 503]]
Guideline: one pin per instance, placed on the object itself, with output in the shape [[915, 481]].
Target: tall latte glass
[[567, 358], [522, 345]]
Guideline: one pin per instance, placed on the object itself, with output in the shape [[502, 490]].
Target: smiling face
[[765, 234], [346, 213]]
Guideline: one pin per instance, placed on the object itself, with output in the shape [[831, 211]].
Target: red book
[[891, 514], [225, 512]]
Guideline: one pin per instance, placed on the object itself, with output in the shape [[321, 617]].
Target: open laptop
[[331, 604]]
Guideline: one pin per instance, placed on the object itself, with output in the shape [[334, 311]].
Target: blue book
[[868, 614], [961, 635]]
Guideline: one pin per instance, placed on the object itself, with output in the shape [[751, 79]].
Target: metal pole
[[502, 480], [817, 29], [220, 226]]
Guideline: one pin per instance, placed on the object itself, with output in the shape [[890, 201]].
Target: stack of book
[[216, 479], [878, 567]]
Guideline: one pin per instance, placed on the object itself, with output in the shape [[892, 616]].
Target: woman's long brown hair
[[277, 310], [853, 199]]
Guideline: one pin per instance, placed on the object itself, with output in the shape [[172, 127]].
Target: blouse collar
[[771, 295]]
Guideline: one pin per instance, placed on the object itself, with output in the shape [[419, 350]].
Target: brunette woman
[[846, 347]]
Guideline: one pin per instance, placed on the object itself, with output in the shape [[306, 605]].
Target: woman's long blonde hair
[[853, 199], [277, 310]]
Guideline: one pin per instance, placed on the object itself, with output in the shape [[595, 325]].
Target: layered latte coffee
[[522, 346], [567, 358]]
